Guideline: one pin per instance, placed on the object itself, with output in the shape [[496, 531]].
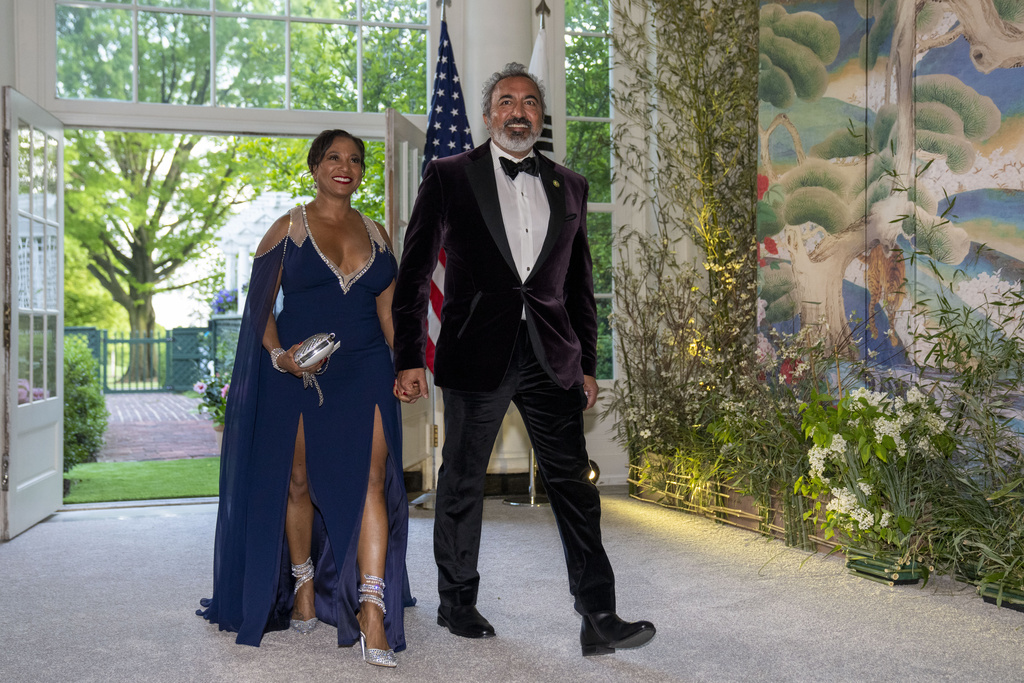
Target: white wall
[[6, 42]]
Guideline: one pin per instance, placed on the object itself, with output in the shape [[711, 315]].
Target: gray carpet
[[109, 595]]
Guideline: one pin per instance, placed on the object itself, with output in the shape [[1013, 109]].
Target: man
[[518, 324]]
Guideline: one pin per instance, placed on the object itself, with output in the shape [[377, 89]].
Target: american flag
[[447, 134]]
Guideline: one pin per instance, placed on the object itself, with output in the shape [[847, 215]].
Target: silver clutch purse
[[315, 349]]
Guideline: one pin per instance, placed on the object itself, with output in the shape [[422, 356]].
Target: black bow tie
[[527, 165]]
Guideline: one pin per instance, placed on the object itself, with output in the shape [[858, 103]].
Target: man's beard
[[513, 143]]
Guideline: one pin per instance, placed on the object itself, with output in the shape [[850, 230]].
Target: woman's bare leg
[[373, 538], [298, 525]]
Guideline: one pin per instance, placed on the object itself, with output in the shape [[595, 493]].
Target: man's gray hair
[[512, 69]]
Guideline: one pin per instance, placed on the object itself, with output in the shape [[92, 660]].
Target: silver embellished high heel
[[372, 591], [303, 573]]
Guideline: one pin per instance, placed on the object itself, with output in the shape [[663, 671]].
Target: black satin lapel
[[554, 188], [481, 179]]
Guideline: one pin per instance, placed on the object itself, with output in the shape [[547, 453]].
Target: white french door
[[31, 481], [403, 159]]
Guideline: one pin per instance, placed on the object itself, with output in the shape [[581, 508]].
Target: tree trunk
[[825, 269], [143, 360]]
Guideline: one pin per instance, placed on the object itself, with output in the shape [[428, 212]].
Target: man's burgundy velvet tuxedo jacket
[[457, 208]]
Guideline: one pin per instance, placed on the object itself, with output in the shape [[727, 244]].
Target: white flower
[[845, 503], [872, 397], [891, 427], [865, 487], [934, 423], [817, 456], [865, 518], [645, 433], [838, 445], [199, 387], [886, 518], [915, 396]]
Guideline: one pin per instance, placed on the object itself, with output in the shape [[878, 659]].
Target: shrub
[[85, 409]]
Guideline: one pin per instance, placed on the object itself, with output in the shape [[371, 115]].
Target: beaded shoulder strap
[[298, 228], [380, 244]]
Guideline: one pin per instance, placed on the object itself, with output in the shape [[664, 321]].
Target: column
[[496, 32]]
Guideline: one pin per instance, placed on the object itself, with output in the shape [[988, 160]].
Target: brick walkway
[[156, 427]]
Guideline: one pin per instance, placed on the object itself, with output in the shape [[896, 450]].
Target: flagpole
[[447, 133], [426, 499], [543, 11]]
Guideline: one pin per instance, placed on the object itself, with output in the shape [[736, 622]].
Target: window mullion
[[213, 56], [288, 54], [360, 100], [135, 53], [210, 12]]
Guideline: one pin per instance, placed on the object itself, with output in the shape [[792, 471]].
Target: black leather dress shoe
[[603, 632], [465, 621]]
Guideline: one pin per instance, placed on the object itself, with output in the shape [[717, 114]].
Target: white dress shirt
[[525, 212]]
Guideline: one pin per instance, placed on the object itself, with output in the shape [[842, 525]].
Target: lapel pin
[[555, 183]]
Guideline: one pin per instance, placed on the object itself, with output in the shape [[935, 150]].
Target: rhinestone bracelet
[[274, 355]]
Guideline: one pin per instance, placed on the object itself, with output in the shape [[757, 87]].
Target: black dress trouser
[[554, 422]]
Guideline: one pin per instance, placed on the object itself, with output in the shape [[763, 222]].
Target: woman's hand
[[411, 385], [286, 361]]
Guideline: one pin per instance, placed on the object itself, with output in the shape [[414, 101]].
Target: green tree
[[143, 205], [86, 302], [279, 165]]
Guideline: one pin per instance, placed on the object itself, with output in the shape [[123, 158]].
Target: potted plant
[[213, 398]]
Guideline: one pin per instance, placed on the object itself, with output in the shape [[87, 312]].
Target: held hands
[[590, 390], [411, 385]]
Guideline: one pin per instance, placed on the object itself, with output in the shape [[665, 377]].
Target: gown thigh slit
[[252, 573]]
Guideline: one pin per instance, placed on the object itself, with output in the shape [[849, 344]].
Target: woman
[[313, 517]]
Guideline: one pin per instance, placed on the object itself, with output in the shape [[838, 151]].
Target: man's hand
[[411, 385], [590, 389]]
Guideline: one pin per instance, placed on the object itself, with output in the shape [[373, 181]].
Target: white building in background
[[241, 235]]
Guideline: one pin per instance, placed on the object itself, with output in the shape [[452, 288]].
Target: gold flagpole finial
[[443, 4], [543, 10]]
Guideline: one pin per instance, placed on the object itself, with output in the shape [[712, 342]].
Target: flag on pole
[[448, 133], [539, 68]]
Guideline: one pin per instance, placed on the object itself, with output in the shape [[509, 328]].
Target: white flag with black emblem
[[539, 68]]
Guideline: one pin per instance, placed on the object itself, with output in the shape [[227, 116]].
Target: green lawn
[[97, 482]]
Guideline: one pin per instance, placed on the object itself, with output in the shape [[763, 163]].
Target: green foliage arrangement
[[685, 285], [870, 470], [85, 409], [974, 360]]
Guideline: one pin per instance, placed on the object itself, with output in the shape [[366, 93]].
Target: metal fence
[[168, 361]]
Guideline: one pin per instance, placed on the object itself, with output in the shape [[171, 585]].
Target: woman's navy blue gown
[[253, 586]]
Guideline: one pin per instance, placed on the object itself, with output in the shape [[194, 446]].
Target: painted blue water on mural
[[1002, 85], [990, 203]]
